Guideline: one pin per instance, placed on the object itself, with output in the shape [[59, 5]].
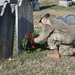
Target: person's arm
[[44, 34]]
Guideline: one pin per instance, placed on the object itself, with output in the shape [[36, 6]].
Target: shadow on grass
[[38, 47], [45, 7], [72, 55], [43, 46]]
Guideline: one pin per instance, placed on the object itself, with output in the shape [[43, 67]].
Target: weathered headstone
[[70, 19], [65, 3], [25, 21], [7, 24], [61, 18]]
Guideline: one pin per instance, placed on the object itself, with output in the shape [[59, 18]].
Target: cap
[[43, 14]]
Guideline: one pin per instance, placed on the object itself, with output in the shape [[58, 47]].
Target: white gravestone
[[65, 3]]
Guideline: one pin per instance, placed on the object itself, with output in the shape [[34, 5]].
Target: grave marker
[[70, 19], [25, 21], [7, 24], [61, 18]]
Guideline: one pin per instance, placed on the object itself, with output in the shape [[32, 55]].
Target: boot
[[54, 55]]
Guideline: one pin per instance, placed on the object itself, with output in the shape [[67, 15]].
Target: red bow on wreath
[[31, 39]]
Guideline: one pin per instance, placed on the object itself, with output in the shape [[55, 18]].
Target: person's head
[[43, 17]]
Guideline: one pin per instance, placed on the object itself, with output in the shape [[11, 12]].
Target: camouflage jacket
[[54, 24]]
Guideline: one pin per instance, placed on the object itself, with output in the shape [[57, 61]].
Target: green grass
[[53, 4], [63, 8], [37, 63]]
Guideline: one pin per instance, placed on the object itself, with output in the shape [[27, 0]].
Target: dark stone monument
[[7, 24], [25, 21]]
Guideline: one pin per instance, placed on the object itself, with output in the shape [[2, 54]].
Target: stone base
[[65, 3]]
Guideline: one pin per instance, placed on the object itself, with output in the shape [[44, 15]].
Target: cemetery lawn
[[37, 62]]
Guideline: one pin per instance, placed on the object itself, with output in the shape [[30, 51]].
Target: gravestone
[[36, 5], [25, 21], [65, 3], [61, 19], [12, 2], [7, 24], [70, 19]]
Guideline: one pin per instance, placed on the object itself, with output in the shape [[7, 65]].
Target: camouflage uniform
[[57, 33]]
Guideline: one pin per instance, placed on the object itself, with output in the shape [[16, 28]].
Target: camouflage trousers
[[62, 41]]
